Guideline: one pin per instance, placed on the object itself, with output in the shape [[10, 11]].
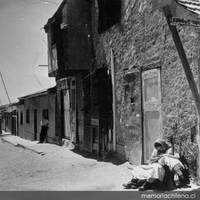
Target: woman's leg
[[157, 173], [151, 180], [42, 134]]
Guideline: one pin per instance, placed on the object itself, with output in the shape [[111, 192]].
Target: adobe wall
[[20, 127], [39, 103]]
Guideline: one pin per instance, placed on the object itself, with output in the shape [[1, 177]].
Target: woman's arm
[[172, 156], [155, 157], [170, 151]]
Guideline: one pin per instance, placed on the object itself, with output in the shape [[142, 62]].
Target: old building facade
[[152, 94], [120, 83], [82, 92]]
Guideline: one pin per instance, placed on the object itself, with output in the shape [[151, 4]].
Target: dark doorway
[[35, 124]]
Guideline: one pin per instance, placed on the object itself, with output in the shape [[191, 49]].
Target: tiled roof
[[192, 5]]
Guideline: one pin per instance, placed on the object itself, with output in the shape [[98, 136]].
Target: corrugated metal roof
[[192, 5]]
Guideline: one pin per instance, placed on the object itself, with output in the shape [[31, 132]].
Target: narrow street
[[64, 170]]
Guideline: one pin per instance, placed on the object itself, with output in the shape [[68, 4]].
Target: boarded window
[[130, 92], [109, 13]]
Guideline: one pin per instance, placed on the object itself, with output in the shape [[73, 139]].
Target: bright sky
[[23, 47]]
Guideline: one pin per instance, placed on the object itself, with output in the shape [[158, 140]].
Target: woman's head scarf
[[162, 143]]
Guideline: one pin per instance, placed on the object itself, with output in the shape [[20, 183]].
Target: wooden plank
[[198, 118], [183, 58], [114, 101]]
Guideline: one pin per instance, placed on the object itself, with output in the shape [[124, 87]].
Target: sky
[[23, 47]]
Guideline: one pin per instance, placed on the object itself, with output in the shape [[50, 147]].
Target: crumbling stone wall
[[142, 40]]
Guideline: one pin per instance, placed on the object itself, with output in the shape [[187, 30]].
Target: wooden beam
[[183, 58], [198, 119], [114, 100]]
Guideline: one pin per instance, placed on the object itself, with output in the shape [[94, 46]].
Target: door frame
[[158, 71]]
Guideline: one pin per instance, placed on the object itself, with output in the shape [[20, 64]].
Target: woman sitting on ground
[[162, 155]]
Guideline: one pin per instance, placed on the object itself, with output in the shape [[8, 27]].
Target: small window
[[109, 13], [27, 116], [21, 118]]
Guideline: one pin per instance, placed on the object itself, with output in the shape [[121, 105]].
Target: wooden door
[[73, 109], [80, 109], [66, 108], [151, 110]]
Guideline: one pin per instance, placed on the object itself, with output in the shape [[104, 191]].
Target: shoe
[[133, 187], [127, 185], [134, 180], [145, 186], [131, 184]]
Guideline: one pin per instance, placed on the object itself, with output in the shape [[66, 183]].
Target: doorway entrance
[[69, 111], [66, 109], [35, 124]]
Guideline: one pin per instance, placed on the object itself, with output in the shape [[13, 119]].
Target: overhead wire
[[34, 62], [31, 2]]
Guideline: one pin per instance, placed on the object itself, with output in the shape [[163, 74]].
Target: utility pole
[[189, 75], [5, 88]]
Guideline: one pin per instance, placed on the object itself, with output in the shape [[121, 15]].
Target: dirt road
[[64, 170]]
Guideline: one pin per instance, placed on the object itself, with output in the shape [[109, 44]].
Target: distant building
[[8, 121], [29, 111]]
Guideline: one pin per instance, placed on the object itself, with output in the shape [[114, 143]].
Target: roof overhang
[[39, 93], [52, 19]]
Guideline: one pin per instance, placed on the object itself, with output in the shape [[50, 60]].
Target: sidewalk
[[41, 148]]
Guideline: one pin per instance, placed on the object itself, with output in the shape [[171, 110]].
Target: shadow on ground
[[108, 157]]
